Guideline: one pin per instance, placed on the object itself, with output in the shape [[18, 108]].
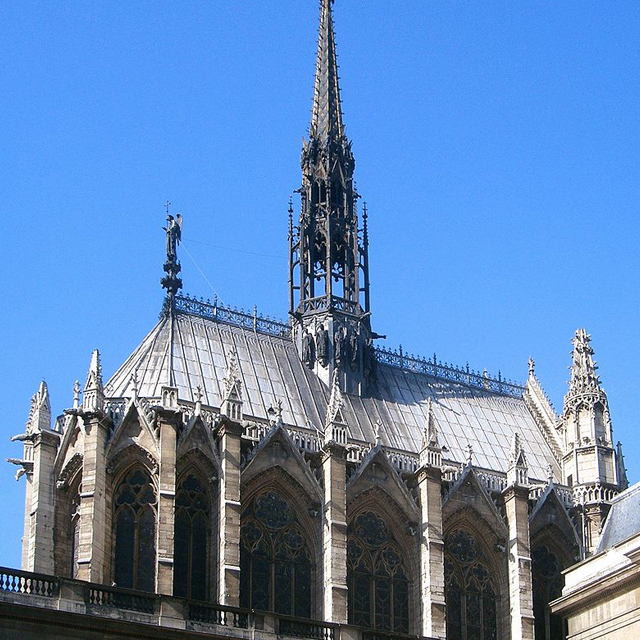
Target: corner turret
[[589, 462]]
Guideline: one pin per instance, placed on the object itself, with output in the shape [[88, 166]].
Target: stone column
[[431, 554], [334, 532], [41, 508], [27, 556], [168, 417], [93, 518], [519, 562], [229, 509]]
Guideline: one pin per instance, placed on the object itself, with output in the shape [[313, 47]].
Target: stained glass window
[[135, 529], [547, 586], [376, 576], [191, 542], [275, 560], [469, 590]]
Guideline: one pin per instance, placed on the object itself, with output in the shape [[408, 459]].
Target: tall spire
[[326, 115], [328, 250]]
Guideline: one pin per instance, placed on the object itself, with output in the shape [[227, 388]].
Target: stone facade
[[243, 465]]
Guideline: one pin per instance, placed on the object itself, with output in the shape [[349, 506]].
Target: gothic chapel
[[238, 464]]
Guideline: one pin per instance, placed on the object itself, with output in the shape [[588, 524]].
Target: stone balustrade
[[60, 602]]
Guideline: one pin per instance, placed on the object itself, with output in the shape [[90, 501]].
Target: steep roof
[[623, 520], [271, 370]]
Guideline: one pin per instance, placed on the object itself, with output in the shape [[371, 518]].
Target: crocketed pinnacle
[[326, 116], [583, 369]]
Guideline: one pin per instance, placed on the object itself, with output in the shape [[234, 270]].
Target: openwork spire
[[328, 250], [326, 115]]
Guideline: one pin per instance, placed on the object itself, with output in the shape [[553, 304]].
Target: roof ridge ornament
[[171, 282]]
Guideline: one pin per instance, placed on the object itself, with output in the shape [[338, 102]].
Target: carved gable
[[377, 473], [134, 429], [468, 494], [550, 516], [197, 437], [277, 450]]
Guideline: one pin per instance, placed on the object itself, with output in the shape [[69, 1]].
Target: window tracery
[[546, 571], [275, 560], [191, 541], [135, 528], [376, 576], [470, 594]]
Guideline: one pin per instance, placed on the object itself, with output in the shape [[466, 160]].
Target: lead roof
[[271, 371]]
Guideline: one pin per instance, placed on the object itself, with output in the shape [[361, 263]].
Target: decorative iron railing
[[325, 303], [437, 369], [101, 595], [28, 583], [393, 357], [212, 310], [218, 614], [303, 628]]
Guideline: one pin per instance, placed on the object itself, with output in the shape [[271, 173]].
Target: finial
[[583, 369], [516, 447], [134, 384], [532, 367], [93, 397], [76, 394], [378, 432], [469, 450], [198, 397], [518, 471], [275, 413], [549, 474]]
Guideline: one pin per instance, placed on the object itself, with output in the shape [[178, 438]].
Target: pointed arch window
[[376, 577], [275, 559], [191, 541], [135, 532], [470, 594], [548, 581]]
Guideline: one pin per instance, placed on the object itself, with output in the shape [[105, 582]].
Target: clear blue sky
[[497, 146]]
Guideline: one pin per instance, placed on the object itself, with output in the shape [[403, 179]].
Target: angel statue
[[174, 233]]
